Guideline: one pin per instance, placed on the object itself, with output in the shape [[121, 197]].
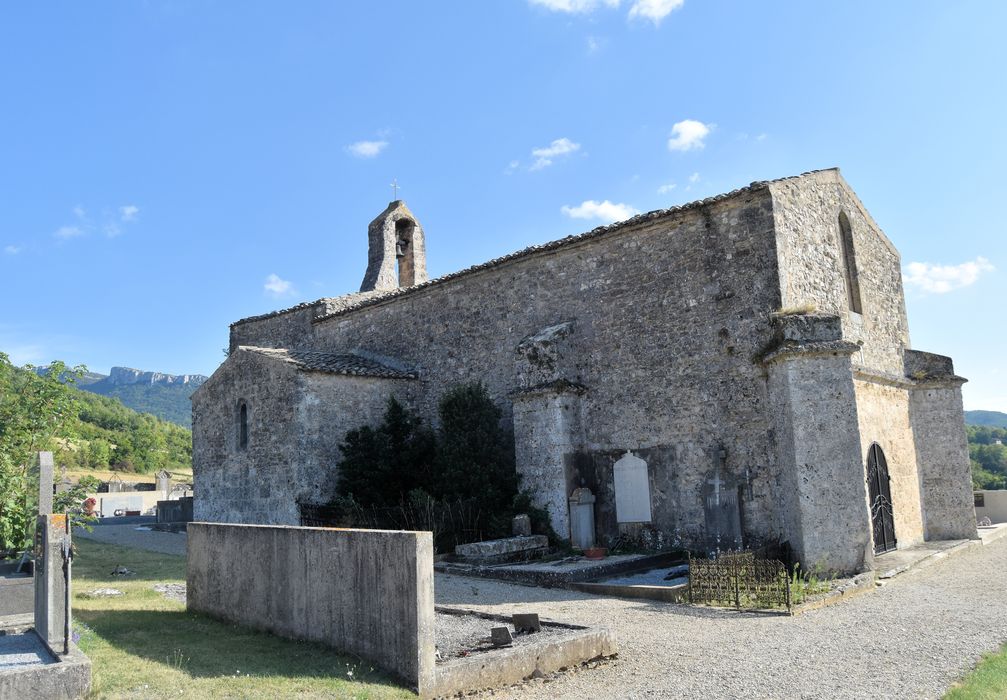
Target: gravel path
[[912, 638], [129, 536]]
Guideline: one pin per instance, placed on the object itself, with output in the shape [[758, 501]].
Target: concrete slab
[[993, 532], [23, 650], [28, 669], [894, 563], [558, 645]]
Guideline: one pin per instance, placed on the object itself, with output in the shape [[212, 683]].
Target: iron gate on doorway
[[882, 516]]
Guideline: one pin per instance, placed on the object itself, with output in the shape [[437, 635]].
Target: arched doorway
[[882, 517]]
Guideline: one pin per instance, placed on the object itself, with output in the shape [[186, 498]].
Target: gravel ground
[[129, 536], [912, 638]]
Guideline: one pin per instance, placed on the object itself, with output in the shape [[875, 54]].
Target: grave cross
[[716, 482]]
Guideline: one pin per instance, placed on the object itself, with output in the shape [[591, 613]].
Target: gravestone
[[45, 478], [52, 551], [722, 511], [163, 482], [521, 525], [632, 490], [582, 518]]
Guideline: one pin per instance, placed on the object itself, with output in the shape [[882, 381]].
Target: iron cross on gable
[[395, 189]]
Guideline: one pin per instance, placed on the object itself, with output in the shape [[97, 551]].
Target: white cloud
[[278, 287], [79, 212], [367, 149], [762, 137], [67, 232], [511, 167], [688, 134], [128, 212], [574, 6], [559, 147], [595, 44], [940, 279], [665, 189], [12, 249], [605, 211], [694, 178], [654, 10]]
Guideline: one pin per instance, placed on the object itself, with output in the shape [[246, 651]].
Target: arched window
[[849, 264], [242, 424]]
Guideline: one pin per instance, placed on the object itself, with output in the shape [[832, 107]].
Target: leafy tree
[[380, 466], [475, 455], [36, 413]]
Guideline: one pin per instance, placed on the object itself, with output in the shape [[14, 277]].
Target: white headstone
[[632, 490]]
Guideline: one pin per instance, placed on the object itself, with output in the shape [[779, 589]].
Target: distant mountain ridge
[[163, 395], [995, 419]]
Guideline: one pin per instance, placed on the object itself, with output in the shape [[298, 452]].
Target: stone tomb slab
[[503, 550], [469, 660], [29, 669]]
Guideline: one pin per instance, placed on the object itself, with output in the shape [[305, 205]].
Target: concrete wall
[[364, 592], [994, 506]]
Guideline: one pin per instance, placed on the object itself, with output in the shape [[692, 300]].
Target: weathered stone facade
[[715, 341]]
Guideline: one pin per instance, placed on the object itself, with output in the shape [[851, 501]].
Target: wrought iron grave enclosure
[[740, 580]]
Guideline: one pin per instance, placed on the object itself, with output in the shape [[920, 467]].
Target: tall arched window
[[242, 424], [849, 264]]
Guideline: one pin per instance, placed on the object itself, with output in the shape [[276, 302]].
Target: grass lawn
[[74, 475], [987, 682], [143, 645]]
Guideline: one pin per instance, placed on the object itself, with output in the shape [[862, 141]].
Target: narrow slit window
[[242, 425], [849, 264]]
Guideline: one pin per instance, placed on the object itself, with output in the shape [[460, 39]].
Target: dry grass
[[143, 645], [106, 474]]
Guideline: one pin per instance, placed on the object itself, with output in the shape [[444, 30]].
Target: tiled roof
[[552, 245], [331, 363], [336, 306], [324, 306]]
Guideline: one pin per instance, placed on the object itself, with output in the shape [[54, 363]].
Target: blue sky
[[169, 167]]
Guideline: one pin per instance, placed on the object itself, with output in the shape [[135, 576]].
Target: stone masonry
[[718, 341]]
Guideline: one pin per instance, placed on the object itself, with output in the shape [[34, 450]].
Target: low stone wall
[[366, 592]]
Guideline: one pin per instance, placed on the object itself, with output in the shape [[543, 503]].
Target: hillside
[[995, 419], [163, 395], [108, 435]]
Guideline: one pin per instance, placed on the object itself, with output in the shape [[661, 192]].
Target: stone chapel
[[726, 373]]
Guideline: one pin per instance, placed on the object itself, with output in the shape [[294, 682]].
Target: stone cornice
[[790, 349]]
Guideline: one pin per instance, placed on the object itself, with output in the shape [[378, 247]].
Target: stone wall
[[365, 592], [654, 337], [807, 213], [666, 315], [883, 413], [820, 465], [945, 472], [296, 422]]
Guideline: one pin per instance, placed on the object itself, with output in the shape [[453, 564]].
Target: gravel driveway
[[912, 638], [142, 538]]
